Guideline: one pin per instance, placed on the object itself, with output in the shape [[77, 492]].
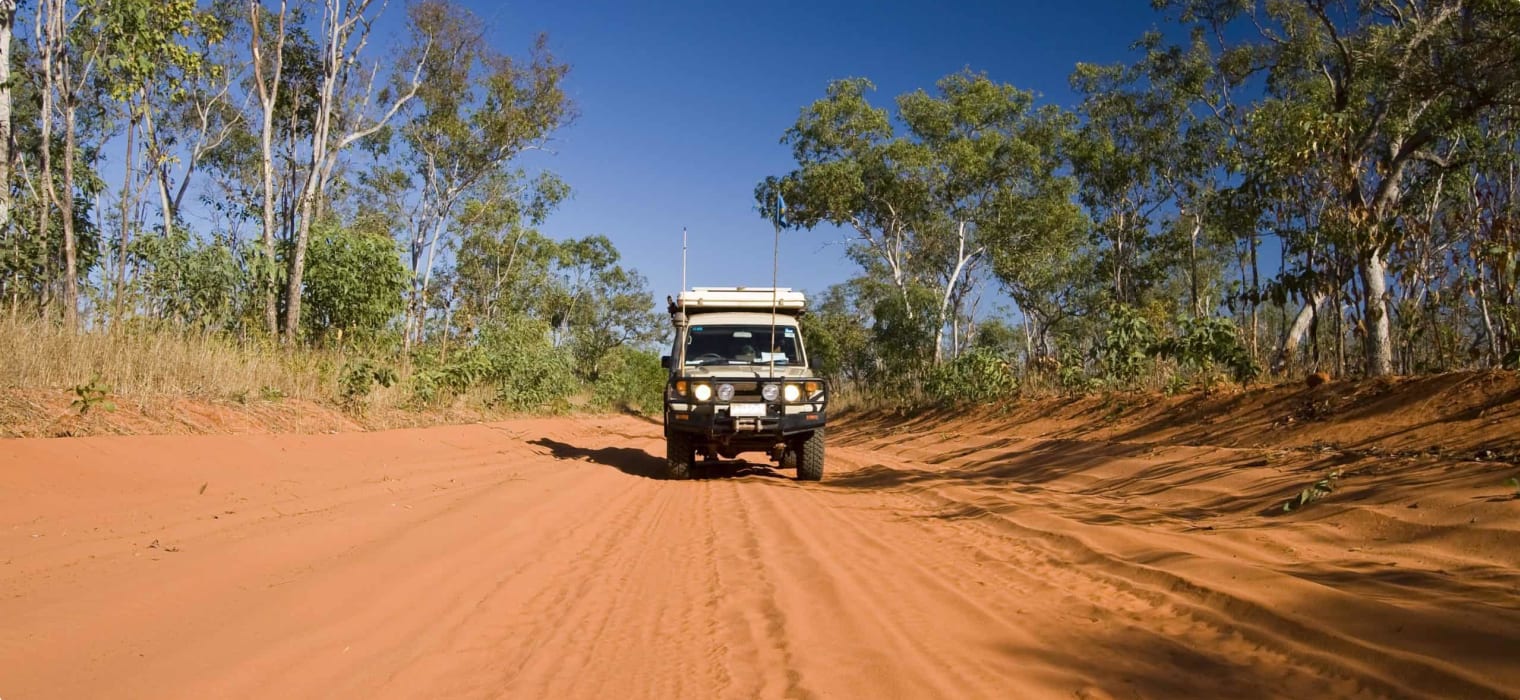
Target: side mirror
[[665, 361]]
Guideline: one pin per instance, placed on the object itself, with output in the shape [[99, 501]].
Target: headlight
[[791, 392], [725, 392], [681, 388], [702, 392], [769, 392]]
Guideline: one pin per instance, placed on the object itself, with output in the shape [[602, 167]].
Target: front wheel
[[679, 455], [810, 462]]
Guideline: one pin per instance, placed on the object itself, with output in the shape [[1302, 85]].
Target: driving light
[[725, 392], [791, 392], [769, 392], [702, 392]]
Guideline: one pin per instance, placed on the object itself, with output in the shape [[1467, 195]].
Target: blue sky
[[682, 106]]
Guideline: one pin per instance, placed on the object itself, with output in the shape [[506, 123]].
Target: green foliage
[[91, 395], [185, 280], [601, 306], [977, 376], [435, 380], [631, 380], [1204, 343], [353, 283], [1320, 489], [1076, 381], [529, 373], [358, 379], [1514, 484], [513, 358], [1127, 345], [902, 339]]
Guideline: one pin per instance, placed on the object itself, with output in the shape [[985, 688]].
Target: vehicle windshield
[[741, 345]]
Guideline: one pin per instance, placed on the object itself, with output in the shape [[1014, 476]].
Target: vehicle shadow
[[629, 460], [636, 462], [734, 469]]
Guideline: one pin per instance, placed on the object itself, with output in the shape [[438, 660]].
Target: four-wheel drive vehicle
[[740, 382]]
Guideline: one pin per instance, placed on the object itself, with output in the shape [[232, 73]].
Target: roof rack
[[742, 299]]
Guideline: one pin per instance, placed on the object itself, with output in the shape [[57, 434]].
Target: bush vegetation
[[1289, 190]]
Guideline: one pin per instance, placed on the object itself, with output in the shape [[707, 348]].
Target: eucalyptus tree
[[267, 36], [7, 141], [476, 111], [146, 59], [975, 165], [502, 263], [60, 85], [1375, 95], [198, 111], [990, 162], [1482, 208], [1123, 154], [848, 175], [347, 111]]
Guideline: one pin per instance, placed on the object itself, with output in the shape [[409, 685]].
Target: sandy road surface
[[535, 558]]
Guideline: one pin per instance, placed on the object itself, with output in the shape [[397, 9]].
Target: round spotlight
[[725, 392], [702, 392], [769, 392], [792, 392]]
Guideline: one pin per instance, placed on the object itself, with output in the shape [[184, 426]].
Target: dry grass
[[143, 363]]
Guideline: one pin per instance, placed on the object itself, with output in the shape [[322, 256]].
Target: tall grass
[[141, 361]]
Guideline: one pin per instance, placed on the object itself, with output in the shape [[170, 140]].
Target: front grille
[[745, 392]]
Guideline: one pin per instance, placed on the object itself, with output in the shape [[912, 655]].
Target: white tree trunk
[[7, 27], [1378, 342], [346, 28], [962, 260], [1298, 331], [268, 92]]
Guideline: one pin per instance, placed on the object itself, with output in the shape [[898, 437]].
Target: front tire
[[810, 462], [680, 454]]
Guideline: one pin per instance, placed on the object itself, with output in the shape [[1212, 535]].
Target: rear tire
[[810, 461], [680, 453]]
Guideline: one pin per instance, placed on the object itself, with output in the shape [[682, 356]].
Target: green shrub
[[1127, 345], [359, 377], [630, 380], [354, 284], [527, 371], [435, 380], [1205, 344], [977, 376], [92, 395]]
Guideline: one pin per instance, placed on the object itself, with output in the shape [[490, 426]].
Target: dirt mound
[[1458, 414], [37, 413]]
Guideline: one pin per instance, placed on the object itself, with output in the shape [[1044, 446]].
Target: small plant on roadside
[[90, 396], [360, 377], [270, 393], [1126, 349], [1320, 489], [1514, 485]]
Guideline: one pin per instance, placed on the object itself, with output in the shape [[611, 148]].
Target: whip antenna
[[775, 275]]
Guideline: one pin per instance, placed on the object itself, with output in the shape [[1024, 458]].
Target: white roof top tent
[[775, 301], [706, 299]]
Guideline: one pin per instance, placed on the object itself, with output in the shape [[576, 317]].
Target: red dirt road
[[535, 558]]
